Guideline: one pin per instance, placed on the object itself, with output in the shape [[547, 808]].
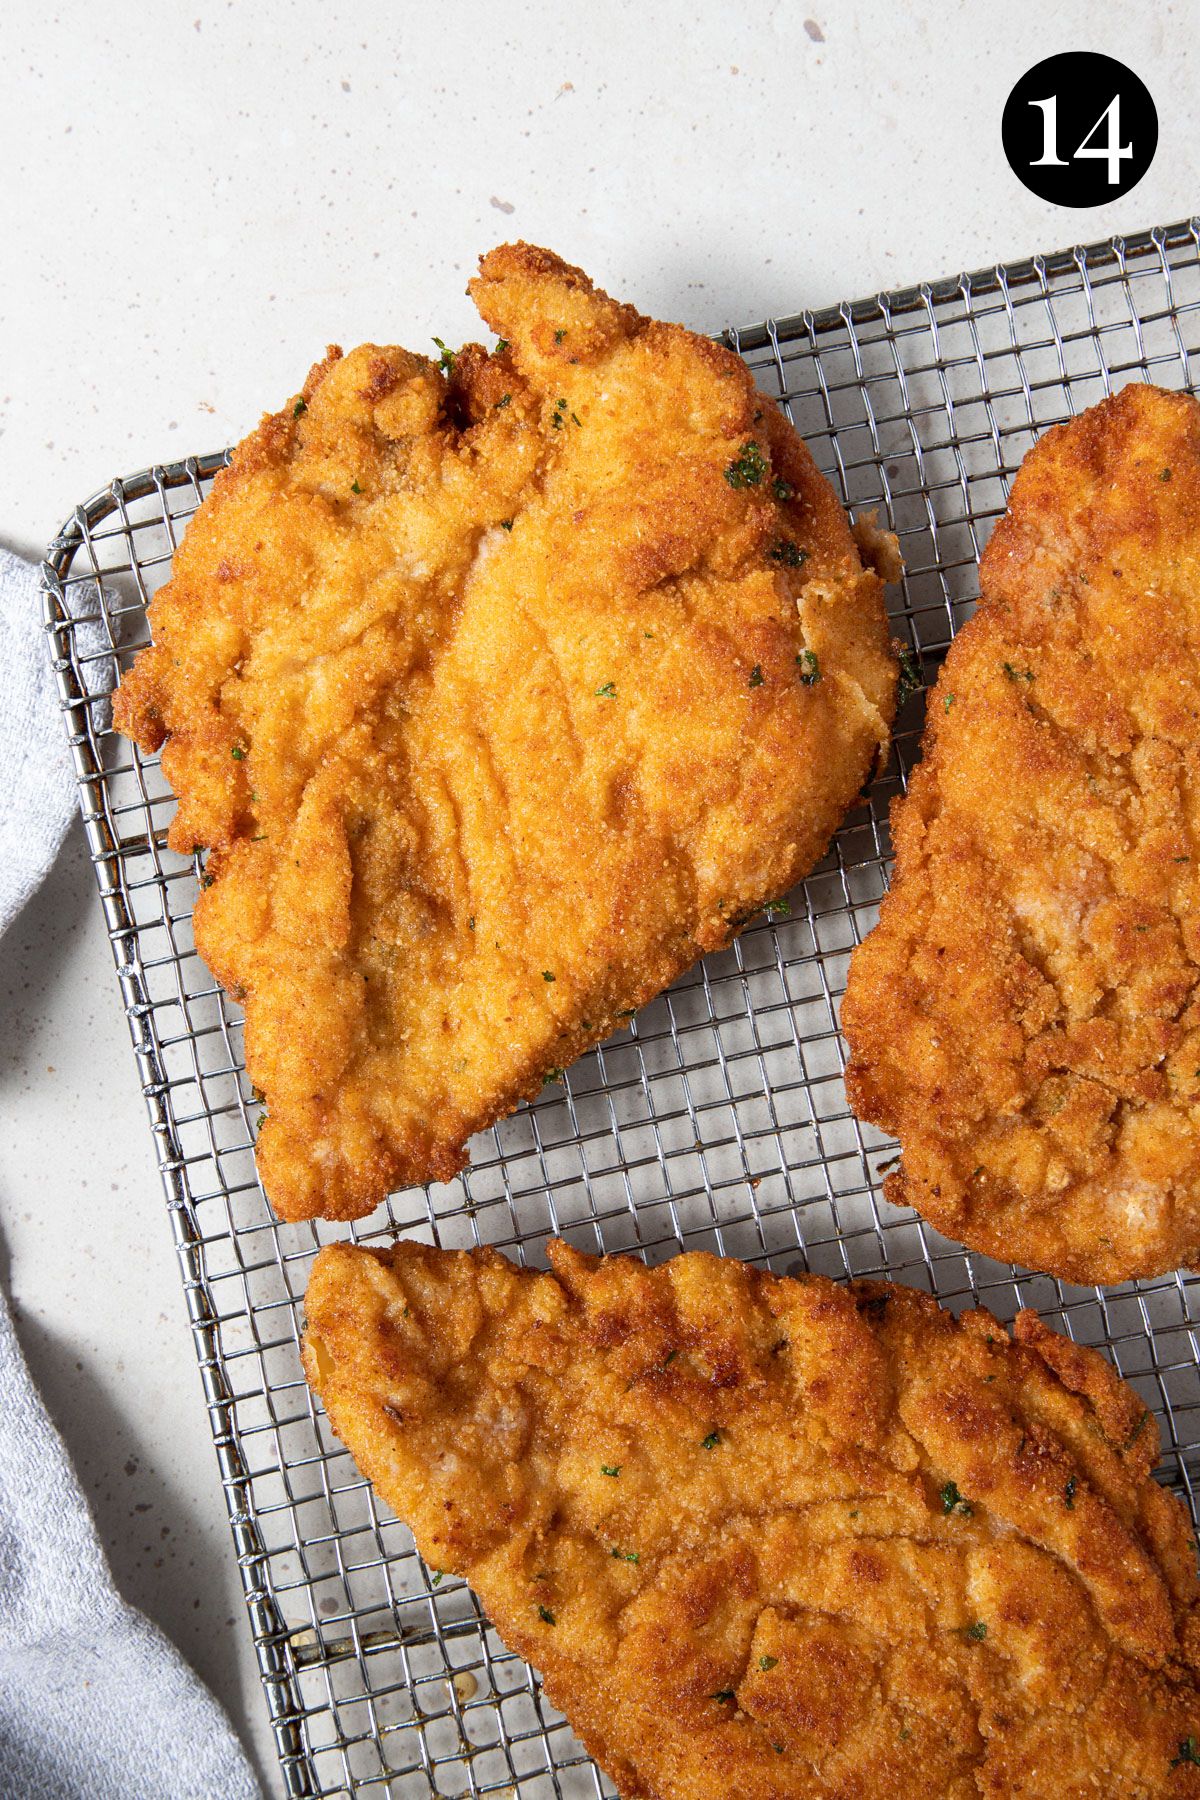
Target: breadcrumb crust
[[1025, 1017], [497, 698], [774, 1538]]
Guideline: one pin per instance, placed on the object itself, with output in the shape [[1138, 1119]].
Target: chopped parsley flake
[[810, 668], [503, 401], [783, 550], [1069, 1494], [559, 336], [237, 753], [206, 880], [711, 1441], [1165, 476], [575, 419], [1137, 1431], [446, 359], [607, 692], [613, 1469], [501, 344], [977, 1632], [553, 1074], [1188, 1753], [1017, 674], [756, 676], [748, 467], [355, 488], [471, 923], [777, 909], [506, 524], [301, 406], [723, 1696], [949, 701], [546, 1616], [783, 490], [952, 1501], [438, 1576], [547, 975], [629, 1556], [911, 681], [767, 1662]]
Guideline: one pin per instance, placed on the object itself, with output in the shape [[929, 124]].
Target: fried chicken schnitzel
[[1025, 1017], [774, 1539], [499, 699]]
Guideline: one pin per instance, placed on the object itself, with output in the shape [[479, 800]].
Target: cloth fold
[[39, 800], [95, 1703]]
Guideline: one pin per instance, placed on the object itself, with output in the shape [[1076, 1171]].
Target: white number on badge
[[1112, 150], [1049, 157]]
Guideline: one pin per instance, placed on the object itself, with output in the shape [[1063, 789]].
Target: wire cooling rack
[[717, 1120]]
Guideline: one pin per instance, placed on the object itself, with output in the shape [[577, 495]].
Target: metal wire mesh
[[717, 1120]]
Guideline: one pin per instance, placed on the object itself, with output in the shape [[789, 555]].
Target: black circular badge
[[1080, 129]]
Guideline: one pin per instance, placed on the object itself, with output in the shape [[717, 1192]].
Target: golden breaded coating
[[774, 1539], [499, 700], [1025, 1017]]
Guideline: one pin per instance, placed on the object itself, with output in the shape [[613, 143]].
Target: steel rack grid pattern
[[716, 1120]]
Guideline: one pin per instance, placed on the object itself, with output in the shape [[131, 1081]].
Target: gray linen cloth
[[95, 1704]]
